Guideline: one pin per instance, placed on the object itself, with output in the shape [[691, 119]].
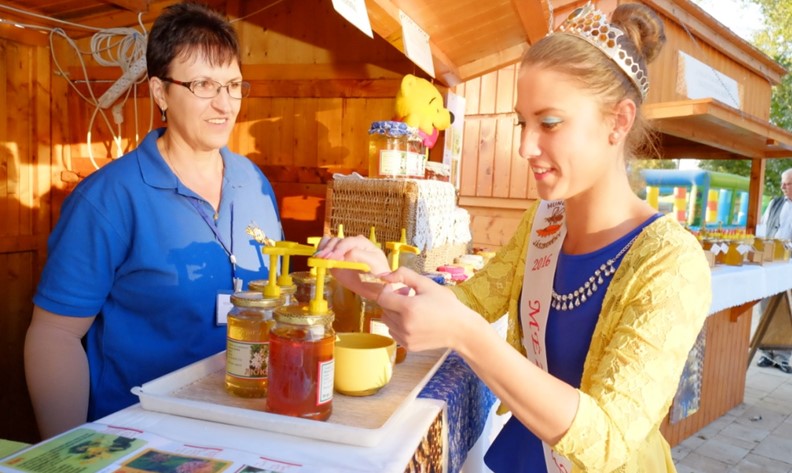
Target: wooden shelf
[[709, 128]]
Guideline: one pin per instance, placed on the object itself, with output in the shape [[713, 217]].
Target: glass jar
[[372, 323], [247, 343], [301, 366], [396, 151], [305, 288]]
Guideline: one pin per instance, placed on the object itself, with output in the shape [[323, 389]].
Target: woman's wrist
[[467, 331]]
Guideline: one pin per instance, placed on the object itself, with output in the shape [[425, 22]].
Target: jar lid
[[299, 314], [393, 129], [290, 289], [255, 299], [257, 285], [451, 268]]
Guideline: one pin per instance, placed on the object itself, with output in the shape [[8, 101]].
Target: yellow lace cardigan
[[652, 313]]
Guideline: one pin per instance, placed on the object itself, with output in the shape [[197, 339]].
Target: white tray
[[198, 391]]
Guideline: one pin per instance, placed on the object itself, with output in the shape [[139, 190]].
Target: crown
[[590, 24]]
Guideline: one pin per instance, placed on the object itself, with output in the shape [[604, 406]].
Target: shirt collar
[[157, 173]]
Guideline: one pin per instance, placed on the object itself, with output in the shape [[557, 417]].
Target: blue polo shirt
[[134, 247]]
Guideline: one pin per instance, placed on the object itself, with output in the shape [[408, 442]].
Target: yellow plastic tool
[[373, 237], [397, 247], [285, 249], [318, 305], [314, 241], [340, 232]]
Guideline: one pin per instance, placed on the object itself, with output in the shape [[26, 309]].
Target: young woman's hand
[[422, 314], [361, 250]]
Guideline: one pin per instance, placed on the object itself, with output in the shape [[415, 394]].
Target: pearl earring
[[614, 138], [164, 117]]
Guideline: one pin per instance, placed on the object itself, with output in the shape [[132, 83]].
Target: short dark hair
[[190, 28]]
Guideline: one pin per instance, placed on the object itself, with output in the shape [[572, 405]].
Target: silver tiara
[[590, 24]]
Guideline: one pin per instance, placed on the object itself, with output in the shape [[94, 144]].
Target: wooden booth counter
[[723, 347]]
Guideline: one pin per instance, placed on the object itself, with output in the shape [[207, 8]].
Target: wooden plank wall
[[496, 184], [318, 83], [24, 212], [723, 378]]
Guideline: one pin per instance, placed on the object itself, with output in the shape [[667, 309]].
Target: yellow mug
[[363, 363]]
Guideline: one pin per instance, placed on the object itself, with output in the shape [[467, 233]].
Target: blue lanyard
[[229, 249]]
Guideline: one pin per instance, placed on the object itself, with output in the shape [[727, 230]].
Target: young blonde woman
[[605, 296]]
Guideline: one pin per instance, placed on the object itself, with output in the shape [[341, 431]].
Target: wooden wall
[[24, 212], [496, 184]]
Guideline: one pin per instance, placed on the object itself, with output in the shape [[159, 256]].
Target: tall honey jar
[[247, 343], [396, 151], [301, 366]]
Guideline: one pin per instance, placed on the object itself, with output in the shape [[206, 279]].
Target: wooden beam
[[29, 36], [534, 16], [384, 18], [755, 191], [131, 5]]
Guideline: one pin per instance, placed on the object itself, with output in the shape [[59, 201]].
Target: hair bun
[[643, 26]]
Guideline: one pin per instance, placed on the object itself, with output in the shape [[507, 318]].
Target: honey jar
[[247, 343], [396, 151], [301, 366]]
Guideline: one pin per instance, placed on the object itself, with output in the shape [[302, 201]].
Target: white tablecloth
[[735, 285]]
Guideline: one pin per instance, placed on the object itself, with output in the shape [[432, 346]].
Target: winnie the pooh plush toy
[[420, 105]]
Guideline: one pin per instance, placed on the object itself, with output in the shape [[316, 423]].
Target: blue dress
[[516, 449], [134, 248]]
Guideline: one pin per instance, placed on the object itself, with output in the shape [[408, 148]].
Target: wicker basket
[[425, 209]]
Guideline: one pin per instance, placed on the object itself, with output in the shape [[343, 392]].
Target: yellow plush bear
[[420, 105]]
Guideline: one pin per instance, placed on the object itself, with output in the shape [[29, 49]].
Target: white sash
[[547, 234]]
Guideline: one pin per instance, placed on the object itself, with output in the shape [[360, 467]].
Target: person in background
[[147, 246], [777, 219], [605, 297]]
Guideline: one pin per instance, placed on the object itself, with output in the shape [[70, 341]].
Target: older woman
[[147, 246]]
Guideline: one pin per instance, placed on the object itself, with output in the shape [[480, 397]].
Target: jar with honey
[[396, 151], [247, 343], [301, 364]]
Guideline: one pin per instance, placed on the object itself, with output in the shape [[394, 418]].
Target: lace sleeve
[[651, 316], [489, 292]]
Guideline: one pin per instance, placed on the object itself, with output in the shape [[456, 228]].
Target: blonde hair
[[572, 56]]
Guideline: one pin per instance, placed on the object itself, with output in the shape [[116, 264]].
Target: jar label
[[247, 360], [391, 162], [414, 164], [324, 393]]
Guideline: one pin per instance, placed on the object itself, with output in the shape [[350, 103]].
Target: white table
[[391, 455]]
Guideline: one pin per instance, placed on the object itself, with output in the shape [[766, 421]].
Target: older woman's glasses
[[208, 89]]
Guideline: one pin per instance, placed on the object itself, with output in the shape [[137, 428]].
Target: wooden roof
[[468, 38]]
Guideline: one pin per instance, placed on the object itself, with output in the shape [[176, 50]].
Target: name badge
[[223, 306]]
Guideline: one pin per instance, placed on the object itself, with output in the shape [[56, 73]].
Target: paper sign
[[697, 80], [416, 44], [356, 13]]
